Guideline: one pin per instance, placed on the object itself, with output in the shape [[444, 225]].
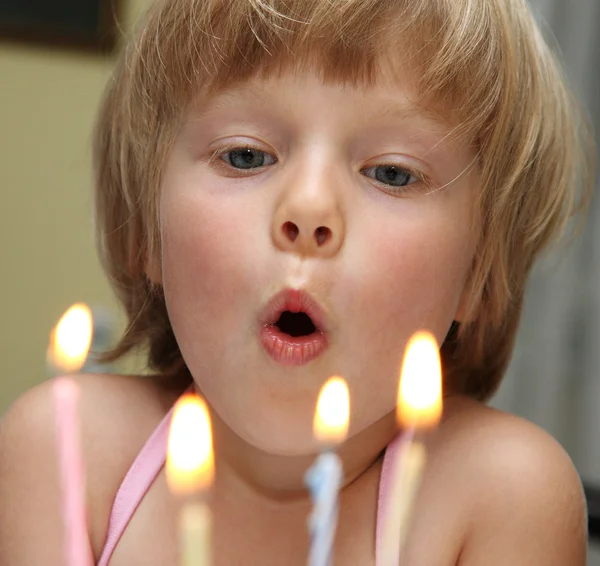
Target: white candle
[[324, 478]]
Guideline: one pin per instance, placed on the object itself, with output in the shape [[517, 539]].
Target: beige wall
[[48, 100]]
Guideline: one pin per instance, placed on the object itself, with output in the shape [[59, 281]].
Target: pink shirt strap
[[137, 482], [151, 460]]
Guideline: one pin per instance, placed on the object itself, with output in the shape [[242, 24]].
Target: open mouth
[[295, 324], [293, 328]]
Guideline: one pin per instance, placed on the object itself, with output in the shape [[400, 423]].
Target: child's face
[[324, 202]]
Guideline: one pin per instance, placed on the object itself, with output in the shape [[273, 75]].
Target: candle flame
[[71, 339], [420, 391], [190, 460], [332, 416]]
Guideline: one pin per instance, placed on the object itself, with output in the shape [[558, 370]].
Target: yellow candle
[[195, 525], [190, 471], [419, 409]]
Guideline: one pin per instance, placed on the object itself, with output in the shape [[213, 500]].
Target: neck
[[280, 479]]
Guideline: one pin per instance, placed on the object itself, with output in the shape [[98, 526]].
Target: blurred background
[[49, 94]]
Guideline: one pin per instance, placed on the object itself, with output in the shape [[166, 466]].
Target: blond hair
[[484, 64]]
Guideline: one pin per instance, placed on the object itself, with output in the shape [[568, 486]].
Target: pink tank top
[[151, 460]]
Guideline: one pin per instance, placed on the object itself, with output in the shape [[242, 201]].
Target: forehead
[[392, 95]]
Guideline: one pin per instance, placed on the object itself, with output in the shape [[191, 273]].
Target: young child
[[375, 167]]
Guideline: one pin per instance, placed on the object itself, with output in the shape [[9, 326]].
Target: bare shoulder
[[524, 498], [117, 415]]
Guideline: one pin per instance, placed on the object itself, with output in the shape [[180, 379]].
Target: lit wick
[[70, 340]]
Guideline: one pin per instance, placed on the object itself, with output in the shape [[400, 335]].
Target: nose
[[309, 223]]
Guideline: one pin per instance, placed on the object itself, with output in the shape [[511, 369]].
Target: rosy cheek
[[412, 276], [188, 254], [198, 230], [191, 259]]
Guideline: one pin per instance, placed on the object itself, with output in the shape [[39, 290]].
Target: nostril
[[290, 230], [322, 235]]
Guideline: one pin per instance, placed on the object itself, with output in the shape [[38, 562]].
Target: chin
[[276, 421]]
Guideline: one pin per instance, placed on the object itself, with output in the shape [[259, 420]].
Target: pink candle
[[77, 547]]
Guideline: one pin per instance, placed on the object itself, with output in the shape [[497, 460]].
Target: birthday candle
[[77, 548], [190, 471], [418, 410], [324, 478], [69, 346]]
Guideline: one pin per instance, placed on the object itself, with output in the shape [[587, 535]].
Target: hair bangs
[[447, 50]]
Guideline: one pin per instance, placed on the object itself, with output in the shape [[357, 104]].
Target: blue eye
[[391, 175], [247, 158]]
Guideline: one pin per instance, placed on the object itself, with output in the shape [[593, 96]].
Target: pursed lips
[[293, 328]]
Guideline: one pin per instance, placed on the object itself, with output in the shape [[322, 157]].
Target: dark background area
[[87, 24]]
